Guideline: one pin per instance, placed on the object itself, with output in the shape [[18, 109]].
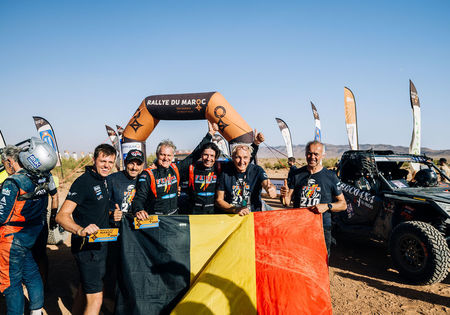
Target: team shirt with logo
[[165, 201], [312, 189], [242, 189], [90, 193], [202, 195], [122, 189]]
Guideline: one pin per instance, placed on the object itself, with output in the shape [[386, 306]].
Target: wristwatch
[[330, 206]]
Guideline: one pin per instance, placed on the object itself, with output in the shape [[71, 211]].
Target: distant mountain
[[335, 151]]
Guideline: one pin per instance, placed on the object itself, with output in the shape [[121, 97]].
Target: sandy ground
[[362, 281]]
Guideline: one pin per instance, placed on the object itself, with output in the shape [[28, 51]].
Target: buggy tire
[[419, 252]]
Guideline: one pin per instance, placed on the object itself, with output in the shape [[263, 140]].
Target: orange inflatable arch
[[212, 106]]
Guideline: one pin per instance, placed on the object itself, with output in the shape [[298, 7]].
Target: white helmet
[[38, 156]]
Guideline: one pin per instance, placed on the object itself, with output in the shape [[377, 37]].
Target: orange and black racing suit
[[22, 202]]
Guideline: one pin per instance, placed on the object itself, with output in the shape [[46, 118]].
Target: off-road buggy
[[410, 215]]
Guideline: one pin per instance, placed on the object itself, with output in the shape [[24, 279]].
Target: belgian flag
[[272, 262]]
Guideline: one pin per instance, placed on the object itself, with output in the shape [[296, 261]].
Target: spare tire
[[419, 252]]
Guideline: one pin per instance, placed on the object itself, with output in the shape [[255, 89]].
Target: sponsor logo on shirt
[[3, 201], [98, 192], [71, 194], [128, 196], [205, 180], [166, 182], [310, 194], [6, 191]]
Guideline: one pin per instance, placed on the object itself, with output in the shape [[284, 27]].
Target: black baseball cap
[[134, 155]]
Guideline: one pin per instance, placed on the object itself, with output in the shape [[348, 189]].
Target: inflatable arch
[[212, 106]]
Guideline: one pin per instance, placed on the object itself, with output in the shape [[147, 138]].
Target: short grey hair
[[12, 152], [310, 143], [165, 143], [237, 146]]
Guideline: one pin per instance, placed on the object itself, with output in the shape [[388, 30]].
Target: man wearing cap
[[239, 185], [122, 184]]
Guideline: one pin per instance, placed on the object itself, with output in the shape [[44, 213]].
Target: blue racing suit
[[21, 208]]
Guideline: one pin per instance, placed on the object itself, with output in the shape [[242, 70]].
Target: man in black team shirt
[[203, 177], [157, 188], [316, 188], [88, 203], [240, 183], [122, 184]]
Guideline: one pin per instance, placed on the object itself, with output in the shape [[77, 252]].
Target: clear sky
[[84, 64]]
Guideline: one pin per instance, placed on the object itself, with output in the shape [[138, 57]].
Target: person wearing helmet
[[23, 200], [84, 212]]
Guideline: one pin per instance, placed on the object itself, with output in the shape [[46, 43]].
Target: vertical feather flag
[[119, 132], [317, 128], [222, 144], [2, 141], [3, 174], [350, 119], [414, 147], [115, 142], [286, 133]]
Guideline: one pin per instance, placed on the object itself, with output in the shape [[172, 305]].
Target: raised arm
[[258, 139], [183, 165]]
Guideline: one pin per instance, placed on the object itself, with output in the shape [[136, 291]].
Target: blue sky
[[84, 64]]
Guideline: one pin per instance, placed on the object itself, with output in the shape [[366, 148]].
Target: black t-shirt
[[90, 193], [312, 189], [121, 189], [242, 189]]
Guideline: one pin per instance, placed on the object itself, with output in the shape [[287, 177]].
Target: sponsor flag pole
[[222, 144], [2, 168], [47, 134], [414, 147], [285, 132], [120, 133], [2, 141], [350, 119], [317, 128], [115, 141]]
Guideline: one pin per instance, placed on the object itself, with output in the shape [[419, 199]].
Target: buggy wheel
[[419, 252]]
